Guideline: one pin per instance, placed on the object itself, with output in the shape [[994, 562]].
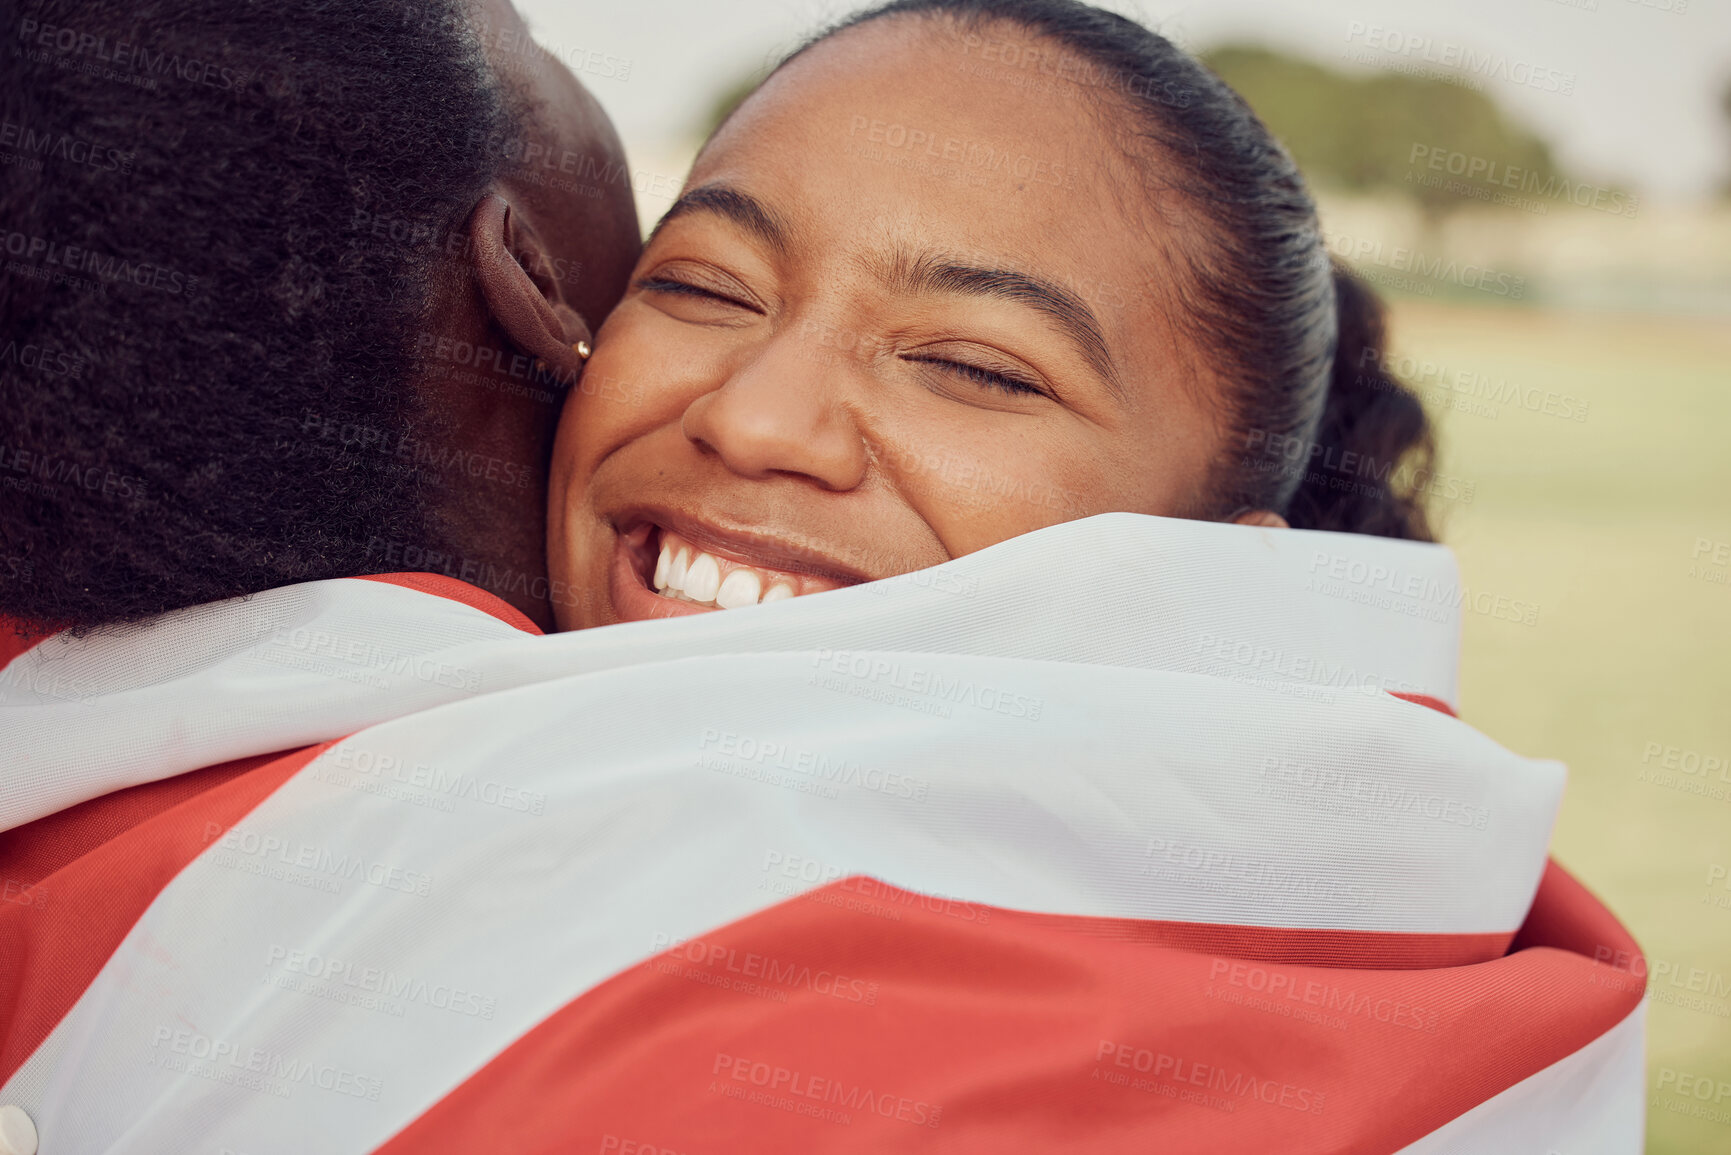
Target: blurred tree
[[1352, 133], [1360, 134]]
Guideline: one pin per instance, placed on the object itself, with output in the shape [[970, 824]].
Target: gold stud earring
[[583, 349]]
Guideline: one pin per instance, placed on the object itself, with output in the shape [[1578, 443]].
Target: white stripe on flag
[[1321, 613], [521, 847]]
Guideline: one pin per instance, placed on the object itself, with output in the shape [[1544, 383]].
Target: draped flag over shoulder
[[1131, 834]]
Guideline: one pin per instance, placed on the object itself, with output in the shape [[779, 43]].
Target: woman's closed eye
[[992, 379], [715, 303], [692, 290]]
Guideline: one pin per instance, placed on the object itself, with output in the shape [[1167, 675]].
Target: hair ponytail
[[1371, 455]]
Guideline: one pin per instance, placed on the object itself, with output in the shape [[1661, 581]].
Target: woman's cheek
[[632, 384], [976, 494]]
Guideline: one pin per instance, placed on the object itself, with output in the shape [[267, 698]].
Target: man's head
[[289, 292]]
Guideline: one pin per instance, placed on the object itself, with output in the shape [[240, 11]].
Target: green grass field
[[1599, 522]]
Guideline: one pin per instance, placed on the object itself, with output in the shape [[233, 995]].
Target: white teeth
[[703, 580], [661, 567], [740, 589], [687, 574]]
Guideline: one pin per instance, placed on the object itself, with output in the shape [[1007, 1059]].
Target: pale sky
[[1643, 113]]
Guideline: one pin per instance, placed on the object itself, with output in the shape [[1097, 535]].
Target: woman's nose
[[782, 413]]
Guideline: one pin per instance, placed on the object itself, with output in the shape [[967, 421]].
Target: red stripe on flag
[[1426, 700], [1566, 916], [32, 852], [18, 637], [1308, 946], [76, 882], [830, 1023]]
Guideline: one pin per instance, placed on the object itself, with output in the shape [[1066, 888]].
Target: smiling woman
[[909, 306]]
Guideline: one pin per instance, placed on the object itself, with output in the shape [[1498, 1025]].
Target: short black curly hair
[[191, 260]]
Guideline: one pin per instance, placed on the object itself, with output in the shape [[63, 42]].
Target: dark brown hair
[[198, 270]]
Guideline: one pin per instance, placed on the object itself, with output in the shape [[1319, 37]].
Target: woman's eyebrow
[[741, 208], [938, 274], [930, 273]]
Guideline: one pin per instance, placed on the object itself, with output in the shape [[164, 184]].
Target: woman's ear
[[523, 291], [1262, 517]]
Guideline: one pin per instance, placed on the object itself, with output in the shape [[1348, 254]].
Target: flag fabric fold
[[1115, 834]]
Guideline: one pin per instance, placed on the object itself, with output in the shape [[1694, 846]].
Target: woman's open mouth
[[660, 572]]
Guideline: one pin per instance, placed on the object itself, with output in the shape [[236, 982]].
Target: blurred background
[[1542, 191]]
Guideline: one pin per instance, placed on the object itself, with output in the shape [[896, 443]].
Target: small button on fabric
[[17, 1132]]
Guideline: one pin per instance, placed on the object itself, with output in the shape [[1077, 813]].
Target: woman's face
[[909, 306]]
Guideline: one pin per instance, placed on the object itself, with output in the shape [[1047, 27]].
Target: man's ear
[[1262, 517], [522, 289]]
